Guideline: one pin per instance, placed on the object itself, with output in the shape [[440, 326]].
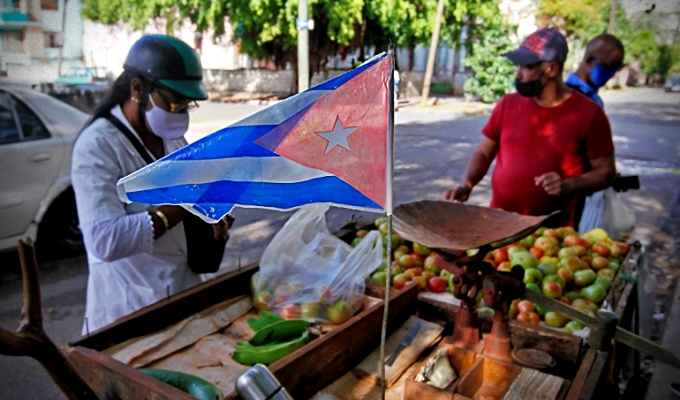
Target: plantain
[[247, 354], [280, 331], [270, 317], [265, 318], [195, 386]]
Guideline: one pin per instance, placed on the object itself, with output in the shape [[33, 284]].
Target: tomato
[[513, 311], [361, 233], [552, 289], [556, 320], [550, 232], [290, 311], [429, 264], [594, 293], [422, 283], [428, 274], [500, 255], [421, 249], [601, 249], [339, 312], [599, 263], [623, 246], [571, 240], [529, 317], [416, 271], [525, 306], [538, 253], [437, 284], [504, 266], [399, 281], [262, 300], [417, 260], [406, 261]]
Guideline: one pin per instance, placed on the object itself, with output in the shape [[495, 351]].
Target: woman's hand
[[221, 228]]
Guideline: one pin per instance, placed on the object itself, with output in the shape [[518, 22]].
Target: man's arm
[[477, 167], [601, 176]]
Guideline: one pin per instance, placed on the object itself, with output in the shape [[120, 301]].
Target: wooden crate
[[303, 373]]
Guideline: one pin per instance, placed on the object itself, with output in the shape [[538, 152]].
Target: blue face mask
[[600, 75]]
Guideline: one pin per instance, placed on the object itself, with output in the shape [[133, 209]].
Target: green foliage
[[578, 20], [493, 74]]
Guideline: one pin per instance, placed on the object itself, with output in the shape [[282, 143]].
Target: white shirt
[[128, 268]]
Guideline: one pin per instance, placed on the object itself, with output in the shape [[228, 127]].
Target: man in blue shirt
[[603, 57]]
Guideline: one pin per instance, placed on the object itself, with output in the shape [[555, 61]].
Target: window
[[13, 111], [31, 127], [8, 127], [48, 4]]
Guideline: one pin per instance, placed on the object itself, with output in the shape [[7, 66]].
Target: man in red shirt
[[540, 138]]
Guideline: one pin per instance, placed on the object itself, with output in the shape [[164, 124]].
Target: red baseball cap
[[546, 44]]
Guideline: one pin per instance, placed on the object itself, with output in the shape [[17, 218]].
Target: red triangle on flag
[[345, 133]]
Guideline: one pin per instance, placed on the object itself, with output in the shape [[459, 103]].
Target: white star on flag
[[338, 136]]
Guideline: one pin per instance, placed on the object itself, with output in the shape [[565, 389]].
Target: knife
[[405, 342], [621, 335]]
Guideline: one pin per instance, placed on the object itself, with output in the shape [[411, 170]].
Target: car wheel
[[58, 233]]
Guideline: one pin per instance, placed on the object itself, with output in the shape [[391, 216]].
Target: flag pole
[[388, 211]]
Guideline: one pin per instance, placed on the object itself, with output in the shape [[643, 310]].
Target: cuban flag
[[327, 145]]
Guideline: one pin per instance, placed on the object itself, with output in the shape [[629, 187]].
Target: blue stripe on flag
[[232, 141], [341, 79], [284, 196]]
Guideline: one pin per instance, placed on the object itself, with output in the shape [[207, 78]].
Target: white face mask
[[165, 124]]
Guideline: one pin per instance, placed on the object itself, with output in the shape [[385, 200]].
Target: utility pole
[[434, 44], [612, 17], [303, 46], [63, 37]]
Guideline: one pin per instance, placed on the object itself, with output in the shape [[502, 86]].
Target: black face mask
[[531, 88]]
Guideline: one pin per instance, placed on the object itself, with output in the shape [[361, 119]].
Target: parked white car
[[36, 199]]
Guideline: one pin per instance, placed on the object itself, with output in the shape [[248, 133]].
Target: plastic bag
[[307, 272], [606, 210]]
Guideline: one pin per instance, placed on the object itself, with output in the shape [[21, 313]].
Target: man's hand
[[552, 183], [221, 228], [458, 193]]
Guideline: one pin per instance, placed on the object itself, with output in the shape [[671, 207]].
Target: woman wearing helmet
[[137, 253]]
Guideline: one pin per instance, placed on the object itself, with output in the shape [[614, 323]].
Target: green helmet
[[170, 62]]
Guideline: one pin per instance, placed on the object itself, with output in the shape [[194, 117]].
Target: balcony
[[13, 19]]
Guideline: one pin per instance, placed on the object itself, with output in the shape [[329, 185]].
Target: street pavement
[[433, 145]]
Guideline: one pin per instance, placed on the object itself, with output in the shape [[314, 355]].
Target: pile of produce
[[413, 263], [558, 262], [577, 270]]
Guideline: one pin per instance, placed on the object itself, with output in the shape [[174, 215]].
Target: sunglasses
[[176, 106]]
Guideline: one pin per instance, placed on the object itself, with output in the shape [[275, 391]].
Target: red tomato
[[500, 255], [437, 284], [529, 317], [572, 240], [525, 306], [417, 259], [399, 281], [601, 249], [417, 271], [538, 253]]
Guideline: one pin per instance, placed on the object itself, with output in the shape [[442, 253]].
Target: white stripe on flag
[[279, 113], [241, 169]]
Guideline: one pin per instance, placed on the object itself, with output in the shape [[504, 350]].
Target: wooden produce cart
[[330, 363]]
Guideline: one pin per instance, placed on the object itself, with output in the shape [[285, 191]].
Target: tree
[[578, 20], [487, 41]]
